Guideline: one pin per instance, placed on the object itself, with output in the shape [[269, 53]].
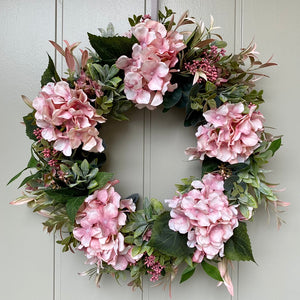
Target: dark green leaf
[[236, 168], [211, 271], [167, 241], [193, 118], [72, 206], [30, 124], [275, 145], [33, 162], [111, 48], [238, 247], [187, 273], [135, 197], [171, 99], [209, 165], [62, 195], [50, 74], [228, 183], [131, 22]]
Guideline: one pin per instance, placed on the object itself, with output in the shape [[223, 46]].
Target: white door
[[147, 153]]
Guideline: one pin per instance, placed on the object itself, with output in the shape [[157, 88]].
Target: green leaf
[[50, 74], [129, 239], [244, 211], [111, 48], [157, 206], [251, 200], [167, 241], [210, 87], [187, 273], [219, 44], [16, 176], [238, 247], [85, 167], [139, 231], [211, 271], [93, 184], [275, 145], [136, 220], [62, 195], [30, 124], [136, 250], [30, 177], [72, 206], [31, 164], [102, 178]]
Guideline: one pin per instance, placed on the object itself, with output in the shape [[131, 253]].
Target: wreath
[[154, 64]]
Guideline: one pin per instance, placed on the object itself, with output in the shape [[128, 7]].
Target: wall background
[[32, 265]]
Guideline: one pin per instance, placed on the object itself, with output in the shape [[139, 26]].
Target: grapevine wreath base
[[153, 64]]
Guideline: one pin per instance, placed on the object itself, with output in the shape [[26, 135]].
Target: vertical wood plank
[[275, 28], [124, 146], [26, 251], [169, 139]]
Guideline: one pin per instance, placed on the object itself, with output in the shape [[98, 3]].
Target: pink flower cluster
[[147, 73], [229, 135], [67, 117], [155, 267], [99, 220], [205, 215]]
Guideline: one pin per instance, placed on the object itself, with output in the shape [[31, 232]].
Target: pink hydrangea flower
[[99, 220], [147, 73], [67, 118], [205, 215], [229, 135]]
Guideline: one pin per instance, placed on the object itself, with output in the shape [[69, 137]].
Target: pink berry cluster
[[207, 64], [214, 54], [155, 267], [38, 133]]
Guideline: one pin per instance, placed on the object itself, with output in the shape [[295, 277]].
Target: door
[[147, 153]]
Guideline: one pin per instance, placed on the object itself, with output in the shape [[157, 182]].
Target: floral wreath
[[152, 65]]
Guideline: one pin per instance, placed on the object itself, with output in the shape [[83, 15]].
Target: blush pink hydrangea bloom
[[205, 215], [67, 118], [147, 73], [229, 135], [99, 220]]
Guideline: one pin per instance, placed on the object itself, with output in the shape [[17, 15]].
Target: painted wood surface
[[147, 153], [26, 251]]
